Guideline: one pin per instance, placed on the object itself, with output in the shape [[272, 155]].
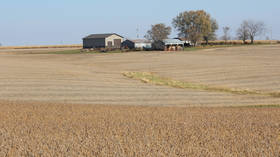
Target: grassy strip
[[79, 51], [66, 52], [157, 80], [206, 47], [257, 106], [202, 47]]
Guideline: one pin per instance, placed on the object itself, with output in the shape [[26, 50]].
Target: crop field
[[98, 78], [208, 102], [41, 47], [36, 129]]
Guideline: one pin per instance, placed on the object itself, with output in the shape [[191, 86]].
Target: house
[[111, 40], [137, 44], [168, 45]]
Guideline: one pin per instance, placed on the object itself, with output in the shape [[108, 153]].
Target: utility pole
[[137, 32], [271, 36]]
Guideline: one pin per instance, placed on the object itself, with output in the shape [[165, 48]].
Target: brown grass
[[91, 130]]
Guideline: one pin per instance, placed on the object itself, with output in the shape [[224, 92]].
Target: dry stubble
[[32, 129]]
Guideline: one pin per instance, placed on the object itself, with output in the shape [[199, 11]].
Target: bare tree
[[255, 29], [243, 32], [158, 32], [226, 35]]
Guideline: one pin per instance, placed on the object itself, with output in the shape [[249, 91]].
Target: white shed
[[137, 44]]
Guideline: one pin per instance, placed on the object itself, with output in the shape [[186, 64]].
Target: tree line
[[197, 26]]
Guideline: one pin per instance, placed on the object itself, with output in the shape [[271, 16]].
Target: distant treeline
[[239, 42], [198, 26]]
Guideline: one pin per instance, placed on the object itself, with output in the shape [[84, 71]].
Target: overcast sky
[[38, 22]]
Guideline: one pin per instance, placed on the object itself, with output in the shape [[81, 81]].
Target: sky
[[51, 22]]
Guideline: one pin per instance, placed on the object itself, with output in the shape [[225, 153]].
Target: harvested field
[[36, 129], [30, 75], [81, 104], [34, 50], [41, 47]]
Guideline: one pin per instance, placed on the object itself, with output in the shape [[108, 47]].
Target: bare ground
[[97, 78]]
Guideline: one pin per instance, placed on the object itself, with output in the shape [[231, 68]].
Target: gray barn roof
[[98, 36], [173, 42]]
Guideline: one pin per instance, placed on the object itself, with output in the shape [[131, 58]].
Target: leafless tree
[[158, 32], [243, 32], [226, 35], [255, 29]]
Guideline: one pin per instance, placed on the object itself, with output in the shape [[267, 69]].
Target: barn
[[110, 40]]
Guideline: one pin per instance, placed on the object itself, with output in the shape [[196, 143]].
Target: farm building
[[137, 44], [111, 40], [168, 45], [186, 41]]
